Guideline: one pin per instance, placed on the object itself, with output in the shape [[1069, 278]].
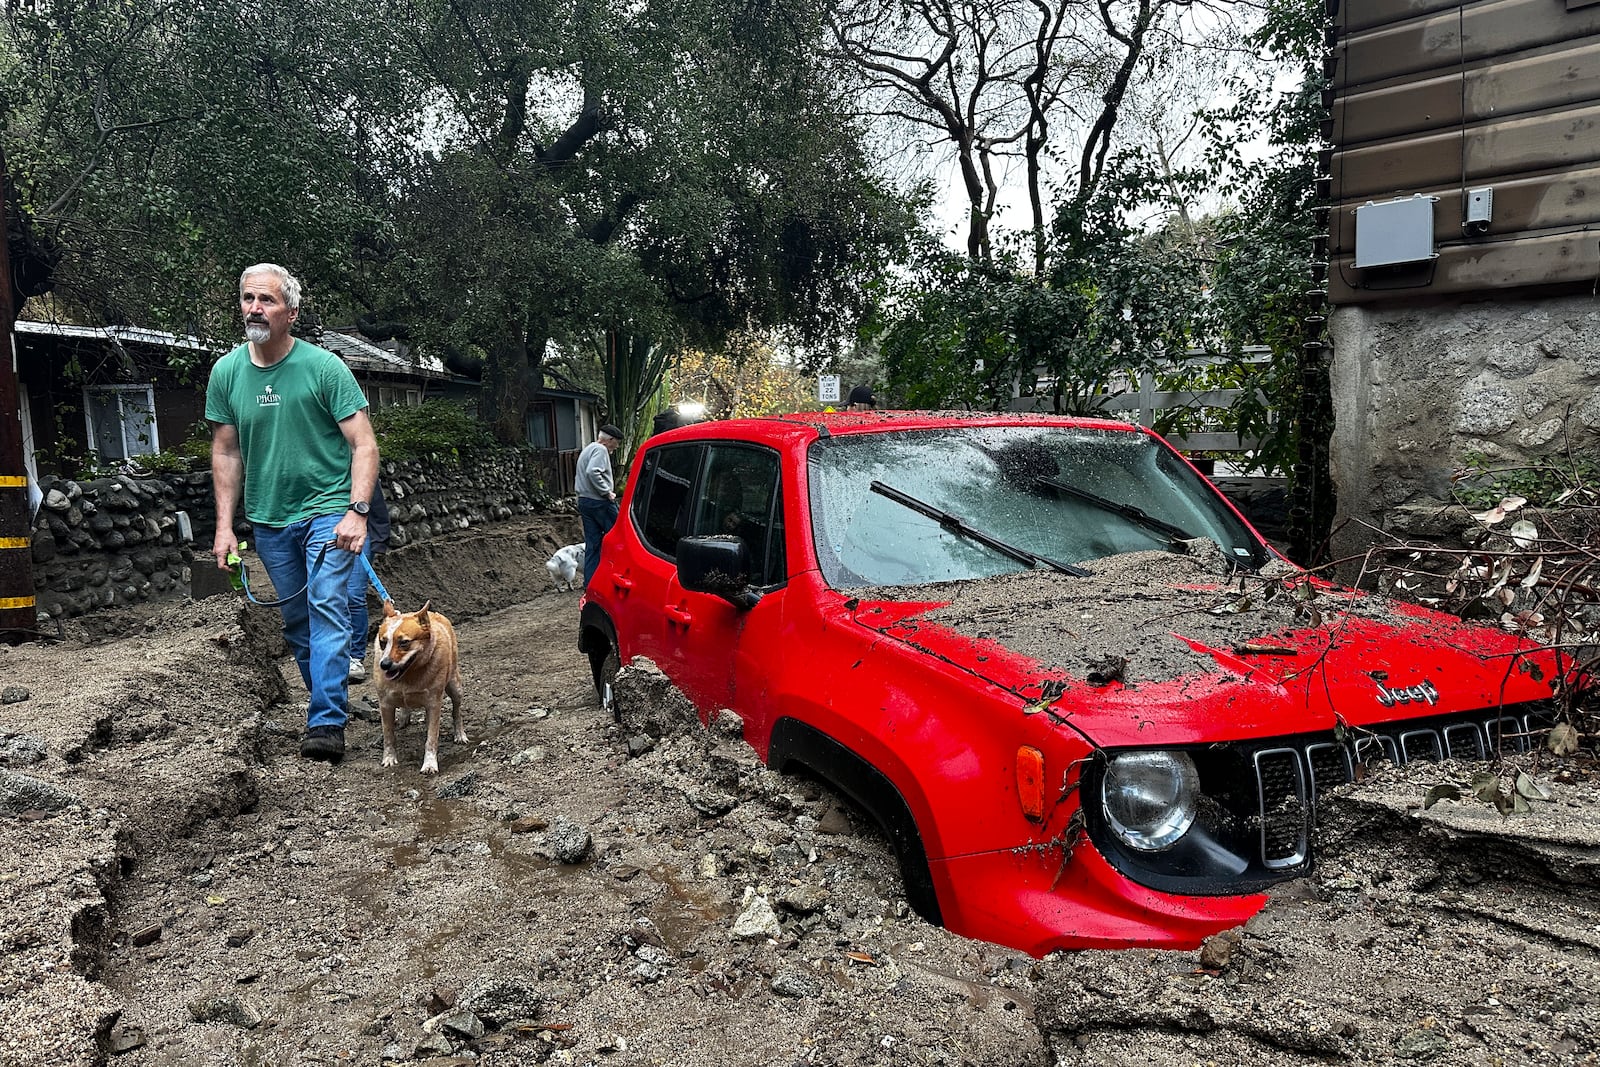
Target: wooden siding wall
[[1435, 97]]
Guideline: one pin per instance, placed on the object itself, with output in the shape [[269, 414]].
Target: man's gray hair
[[286, 281]]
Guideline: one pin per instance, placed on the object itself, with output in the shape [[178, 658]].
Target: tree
[[160, 147], [1005, 82], [656, 175], [1115, 303], [477, 177]]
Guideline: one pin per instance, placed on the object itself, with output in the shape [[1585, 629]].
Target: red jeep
[[1085, 701]]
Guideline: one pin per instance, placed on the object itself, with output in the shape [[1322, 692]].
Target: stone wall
[[119, 541], [1419, 390]]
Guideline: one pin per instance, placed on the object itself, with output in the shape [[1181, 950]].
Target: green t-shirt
[[296, 460]]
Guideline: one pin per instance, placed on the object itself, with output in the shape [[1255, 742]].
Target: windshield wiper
[[1136, 515], [961, 527]]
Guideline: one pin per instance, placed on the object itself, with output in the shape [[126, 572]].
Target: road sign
[[828, 388]]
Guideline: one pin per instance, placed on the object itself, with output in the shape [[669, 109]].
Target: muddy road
[[178, 887]]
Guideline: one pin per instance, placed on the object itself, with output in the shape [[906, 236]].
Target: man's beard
[[258, 332]]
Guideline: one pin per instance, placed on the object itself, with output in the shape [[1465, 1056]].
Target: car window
[[661, 501], [1058, 492], [739, 495]]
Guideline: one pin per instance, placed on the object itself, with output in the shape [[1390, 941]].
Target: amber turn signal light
[[1030, 782]]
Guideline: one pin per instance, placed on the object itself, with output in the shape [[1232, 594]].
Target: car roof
[[809, 425]]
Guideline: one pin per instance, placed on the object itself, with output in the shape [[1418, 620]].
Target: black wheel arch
[[597, 635], [796, 743]]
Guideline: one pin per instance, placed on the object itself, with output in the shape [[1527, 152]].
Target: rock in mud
[[460, 787], [531, 754], [21, 750], [457, 1021], [796, 984], [20, 793], [567, 842], [756, 918], [498, 1000], [1217, 952], [803, 899], [647, 703], [225, 1009], [15, 694]]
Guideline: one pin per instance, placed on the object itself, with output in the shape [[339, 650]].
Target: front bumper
[[1097, 893]]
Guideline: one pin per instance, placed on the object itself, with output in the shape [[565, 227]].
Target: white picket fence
[[1145, 404]]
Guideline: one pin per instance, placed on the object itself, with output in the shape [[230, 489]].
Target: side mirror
[[717, 565]]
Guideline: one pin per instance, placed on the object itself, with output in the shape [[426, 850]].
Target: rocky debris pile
[[1447, 935], [472, 572], [101, 769], [803, 918]]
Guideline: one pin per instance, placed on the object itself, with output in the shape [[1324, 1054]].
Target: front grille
[[1291, 773], [1281, 787]]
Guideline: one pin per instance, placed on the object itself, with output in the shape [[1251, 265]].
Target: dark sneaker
[[323, 743]]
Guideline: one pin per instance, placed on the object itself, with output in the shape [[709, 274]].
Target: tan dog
[[417, 666]]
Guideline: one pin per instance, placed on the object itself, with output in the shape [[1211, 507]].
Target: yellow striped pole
[[17, 614]]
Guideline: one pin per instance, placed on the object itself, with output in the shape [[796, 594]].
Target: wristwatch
[[360, 507]]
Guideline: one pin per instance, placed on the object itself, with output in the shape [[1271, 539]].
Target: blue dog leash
[[372, 576]]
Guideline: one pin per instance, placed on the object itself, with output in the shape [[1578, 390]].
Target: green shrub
[[434, 427]]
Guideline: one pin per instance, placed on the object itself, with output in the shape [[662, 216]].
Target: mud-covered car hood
[[1156, 648]]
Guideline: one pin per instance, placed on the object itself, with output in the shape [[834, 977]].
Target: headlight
[[1149, 798]]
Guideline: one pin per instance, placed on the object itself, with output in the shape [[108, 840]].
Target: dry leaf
[[1533, 574], [1524, 534], [1492, 516], [1563, 739], [1486, 787], [1529, 788]]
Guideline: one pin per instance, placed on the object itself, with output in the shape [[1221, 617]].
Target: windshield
[[1015, 483]]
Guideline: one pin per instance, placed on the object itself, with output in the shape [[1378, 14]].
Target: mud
[[180, 888], [1131, 607]]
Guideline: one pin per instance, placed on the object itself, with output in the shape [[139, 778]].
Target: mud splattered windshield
[[1132, 494]]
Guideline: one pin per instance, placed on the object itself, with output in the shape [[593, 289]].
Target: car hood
[[1156, 648]]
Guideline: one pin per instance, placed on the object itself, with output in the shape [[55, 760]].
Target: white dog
[[566, 567]]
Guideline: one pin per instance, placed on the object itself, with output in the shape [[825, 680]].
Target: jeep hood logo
[[1407, 694]]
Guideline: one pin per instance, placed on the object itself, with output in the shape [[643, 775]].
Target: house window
[[542, 424], [121, 420], [393, 396]]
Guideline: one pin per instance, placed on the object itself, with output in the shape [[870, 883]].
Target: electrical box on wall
[[1394, 232], [1480, 210]]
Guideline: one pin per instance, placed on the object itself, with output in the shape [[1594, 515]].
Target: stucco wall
[[1417, 390], [116, 541]]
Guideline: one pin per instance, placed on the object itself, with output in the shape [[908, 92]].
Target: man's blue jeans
[[316, 621], [358, 604], [598, 516]]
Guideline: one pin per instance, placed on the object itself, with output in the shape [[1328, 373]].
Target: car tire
[[605, 664]]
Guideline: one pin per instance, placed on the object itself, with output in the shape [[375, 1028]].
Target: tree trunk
[[511, 376]]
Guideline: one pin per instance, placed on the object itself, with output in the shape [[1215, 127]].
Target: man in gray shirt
[[597, 496]]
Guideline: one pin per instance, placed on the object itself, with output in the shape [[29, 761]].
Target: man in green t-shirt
[[289, 427]]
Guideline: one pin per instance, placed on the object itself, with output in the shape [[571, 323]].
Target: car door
[[658, 516], [736, 494]]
